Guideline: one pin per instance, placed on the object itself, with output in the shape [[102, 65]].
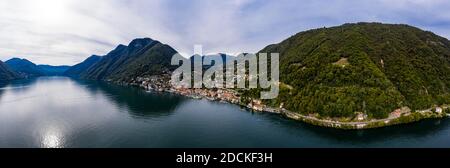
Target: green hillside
[[142, 57], [365, 67]]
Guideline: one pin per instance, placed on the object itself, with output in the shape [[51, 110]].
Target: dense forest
[[365, 67]]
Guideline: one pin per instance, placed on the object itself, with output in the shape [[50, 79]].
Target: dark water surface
[[62, 112]]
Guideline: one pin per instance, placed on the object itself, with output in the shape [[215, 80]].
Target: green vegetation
[[447, 110], [366, 67], [142, 57], [407, 118]]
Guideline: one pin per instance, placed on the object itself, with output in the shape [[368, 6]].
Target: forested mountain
[[28, 69], [366, 67], [371, 68], [6, 73], [25, 68], [76, 70], [50, 70], [141, 57]]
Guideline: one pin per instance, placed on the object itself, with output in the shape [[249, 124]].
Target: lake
[[59, 112]]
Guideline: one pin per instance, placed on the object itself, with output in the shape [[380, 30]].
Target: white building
[[438, 110]]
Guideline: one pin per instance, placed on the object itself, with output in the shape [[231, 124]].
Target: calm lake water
[[62, 112]]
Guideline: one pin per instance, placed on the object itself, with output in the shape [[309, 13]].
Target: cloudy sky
[[68, 31]]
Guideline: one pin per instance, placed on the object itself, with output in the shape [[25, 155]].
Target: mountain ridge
[[337, 72], [25, 67], [143, 56], [76, 70]]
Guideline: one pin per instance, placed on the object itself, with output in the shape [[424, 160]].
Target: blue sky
[[68, 31]]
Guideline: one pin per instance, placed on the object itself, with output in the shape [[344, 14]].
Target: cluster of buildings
[[212, 94], [162, 83], [157, 82]]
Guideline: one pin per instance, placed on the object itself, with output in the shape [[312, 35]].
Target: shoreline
[[405, 117]]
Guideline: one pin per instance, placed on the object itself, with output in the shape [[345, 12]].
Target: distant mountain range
[[27, 69], [139, 58], [369, 68], [50, 70]]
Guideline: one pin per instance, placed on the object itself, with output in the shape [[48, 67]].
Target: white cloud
[[68, 31]]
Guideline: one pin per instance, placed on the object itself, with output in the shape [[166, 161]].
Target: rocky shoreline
[[399, 116]]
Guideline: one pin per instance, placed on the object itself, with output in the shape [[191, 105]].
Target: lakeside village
[[161, 83]]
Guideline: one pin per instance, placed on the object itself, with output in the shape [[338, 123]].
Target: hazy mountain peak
[[18, 60], [93, 57], [25, 67], [140, 41]]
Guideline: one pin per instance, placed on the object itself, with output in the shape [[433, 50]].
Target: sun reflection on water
[[52, 139]]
